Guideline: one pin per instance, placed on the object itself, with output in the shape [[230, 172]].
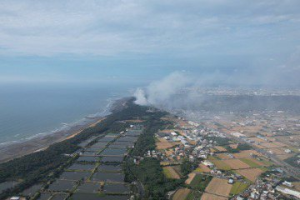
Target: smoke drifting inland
[[161, 92], [179, 91]]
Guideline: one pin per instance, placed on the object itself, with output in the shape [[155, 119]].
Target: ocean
[[32, 110]]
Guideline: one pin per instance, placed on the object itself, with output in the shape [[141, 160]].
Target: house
[[208, 163]]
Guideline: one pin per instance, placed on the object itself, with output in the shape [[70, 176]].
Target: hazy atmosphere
[[223, 41], [150, 100]]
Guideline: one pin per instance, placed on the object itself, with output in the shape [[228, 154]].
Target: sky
[[224, 41]]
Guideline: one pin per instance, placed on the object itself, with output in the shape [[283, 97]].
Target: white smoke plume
[[159, 92], [140, 97]]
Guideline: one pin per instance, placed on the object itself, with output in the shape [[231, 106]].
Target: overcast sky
[[254, 41]]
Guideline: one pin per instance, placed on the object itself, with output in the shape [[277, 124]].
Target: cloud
[[113, 27]]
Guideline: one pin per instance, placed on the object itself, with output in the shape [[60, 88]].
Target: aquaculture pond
[[86, 142], [112, 159], [116, 188], [62, 185], [127, 139], [88, 188], [75, 175], [7, 185], [32, 190], [88, 159], [113, 152], [77, 166], [59, 197], [106, 176], [106, 139], [110, 168], [44, 196], [117, 146]]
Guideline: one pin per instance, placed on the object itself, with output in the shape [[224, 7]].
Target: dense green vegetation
[[148, 171], [186, 167], [36, 167], [220, 141], [240, 147], [200, 182]]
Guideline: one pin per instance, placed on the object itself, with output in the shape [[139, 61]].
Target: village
[[227, 166]]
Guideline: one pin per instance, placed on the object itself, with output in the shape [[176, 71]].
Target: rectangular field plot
[[77, 166], [112, 159], [116, 189], [113, 152], [62, 185], [88, 188], [106, 176], [250, 174], [219, 187], [171, 173], [236, 164], [110, 168], [32, 190], [75, 175], [88, 159], [207, 196]]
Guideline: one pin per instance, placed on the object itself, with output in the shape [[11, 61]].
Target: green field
[[238, 187], [200, 182], [249, 162], [194, 195], [167, 173], [221, 165]]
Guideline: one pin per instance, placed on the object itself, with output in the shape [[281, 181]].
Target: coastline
[[41, 143]]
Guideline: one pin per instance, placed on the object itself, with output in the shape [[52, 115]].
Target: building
[[288, 191], [208, 163]]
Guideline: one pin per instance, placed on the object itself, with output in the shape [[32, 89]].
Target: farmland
[[250, 174], [181, 194], [171, 173], [219, 187]]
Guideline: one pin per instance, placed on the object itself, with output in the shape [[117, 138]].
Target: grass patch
[[250, 162], [221, 165], [167, 173], [238, 187], [200, 182], [194, 195], [265, 162]]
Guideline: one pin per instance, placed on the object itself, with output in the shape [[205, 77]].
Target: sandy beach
[[41, 143]]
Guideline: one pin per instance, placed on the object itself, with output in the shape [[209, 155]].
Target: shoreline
[[16, 150], [40, 143]]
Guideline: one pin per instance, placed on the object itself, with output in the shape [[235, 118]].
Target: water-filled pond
[[113, 152], [77, 166], [106, 176], [62, 185], [75, 175]]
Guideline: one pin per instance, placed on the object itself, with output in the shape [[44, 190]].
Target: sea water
[[30, 110]]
